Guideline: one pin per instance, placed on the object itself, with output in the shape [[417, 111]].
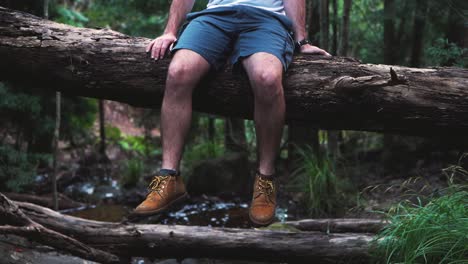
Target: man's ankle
[[168, 172], [270, 175]]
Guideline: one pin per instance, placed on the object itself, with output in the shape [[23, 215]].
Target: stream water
[[207, 213], [110, 205]]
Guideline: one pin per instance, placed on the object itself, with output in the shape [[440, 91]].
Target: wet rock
[[226, 174]]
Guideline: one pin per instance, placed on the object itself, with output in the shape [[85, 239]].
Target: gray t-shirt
[[270, 5]]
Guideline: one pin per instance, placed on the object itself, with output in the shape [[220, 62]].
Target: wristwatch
[[301, 43]]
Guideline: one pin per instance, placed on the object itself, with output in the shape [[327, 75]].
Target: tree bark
[[329, 93], [356, 225], [161, 241]]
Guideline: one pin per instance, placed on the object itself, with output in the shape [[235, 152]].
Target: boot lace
[[265, 187], [157, 184]]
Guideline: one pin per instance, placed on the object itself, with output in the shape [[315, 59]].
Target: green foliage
[[138, 145], [366, 30], [70, 16], [444, 53], [431, 233], [17, 168], [195, 153], [132, 172], [316, 178], [134, 17], [113, 134]]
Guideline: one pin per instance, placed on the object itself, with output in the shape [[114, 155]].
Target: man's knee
[[180, 81], [179, 72], [267, 85]]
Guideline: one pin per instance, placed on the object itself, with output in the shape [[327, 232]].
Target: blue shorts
[[233, 33]]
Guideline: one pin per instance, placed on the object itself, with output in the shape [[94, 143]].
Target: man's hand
[[160, 46], [309, 49]]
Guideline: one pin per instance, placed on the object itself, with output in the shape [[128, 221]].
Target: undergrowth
[[325, 193], [433, 233], [434, 229]]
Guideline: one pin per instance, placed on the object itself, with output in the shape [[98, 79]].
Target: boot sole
[[260, 224], [162, 209]]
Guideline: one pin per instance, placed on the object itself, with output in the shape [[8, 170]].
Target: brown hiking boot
[[263, 206], [164, 191]]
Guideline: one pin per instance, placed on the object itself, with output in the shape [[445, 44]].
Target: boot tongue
[[267, 188]]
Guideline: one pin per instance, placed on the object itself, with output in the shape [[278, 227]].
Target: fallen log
[[161, 241], [331, 93]]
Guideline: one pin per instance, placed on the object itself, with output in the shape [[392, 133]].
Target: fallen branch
[[45, 200], [17, 223]]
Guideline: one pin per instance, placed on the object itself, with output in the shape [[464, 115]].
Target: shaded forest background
[[108, 151]]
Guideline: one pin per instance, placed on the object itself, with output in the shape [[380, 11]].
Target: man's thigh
[[208, 35], [268, 35]]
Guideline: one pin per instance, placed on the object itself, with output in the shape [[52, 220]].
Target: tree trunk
[[333, 136], [211, 128], [55, 143], [324, 24], [389, 32], [456, 26], [418, 32], [334, 46], [161, 241], [102, 130], [329, 93], [345, 28], [313, 21], [390, 57]]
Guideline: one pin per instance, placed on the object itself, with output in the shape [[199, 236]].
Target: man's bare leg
[[185, 71], [265, 73]]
